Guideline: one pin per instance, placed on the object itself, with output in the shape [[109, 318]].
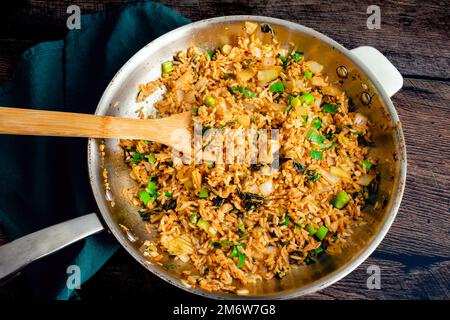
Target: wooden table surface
[[414, 258]]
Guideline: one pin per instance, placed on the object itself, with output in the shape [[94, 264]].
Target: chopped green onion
[[203, 193], [288, 108], [308, 74], [241, 260], [234, 252], [212, 53], [366, 164], [210, 101], [167, 67], [241, 228], [284, 60], [318, 155], [313, 136], [310, 229], [316, 177], [286, 221], [203, 224], [326, 146], [321, 232], [193, 218], [297, 56], [316, 123], [152, 188], [341, 200], [277, 87], [145, 197], [329, 107], [195, 111], [318, 250], [152, 159], [305, 118], [244, 91], [211, 165], [167, 194], [307, 98], [296, 102], [138, 156]]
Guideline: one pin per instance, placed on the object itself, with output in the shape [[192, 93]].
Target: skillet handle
[[16, 255], [385, 72]]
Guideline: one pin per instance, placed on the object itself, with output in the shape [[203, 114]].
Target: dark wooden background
[[415, 35]]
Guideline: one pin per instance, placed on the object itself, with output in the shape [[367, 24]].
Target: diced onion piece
[[178, 245], [244, 75], [253, 188], [329, 177], [338, 171], [314, 66], [250, 27], [202, 82], [256, 52], [268, 61], [331, 91], [271, 250], [266, 188], [226, 49], [283, 52], [360, 119], [180, 95], [269, 74], [365, 179], [183, 257], [212, 231]]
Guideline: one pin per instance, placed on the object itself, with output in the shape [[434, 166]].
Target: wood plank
[[414, 35]]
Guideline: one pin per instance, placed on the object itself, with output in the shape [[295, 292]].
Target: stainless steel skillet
[[371, 78]]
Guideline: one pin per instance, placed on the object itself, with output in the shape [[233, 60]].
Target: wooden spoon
[[171, 131]]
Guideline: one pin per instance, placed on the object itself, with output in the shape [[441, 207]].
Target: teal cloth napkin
[[44, 181]]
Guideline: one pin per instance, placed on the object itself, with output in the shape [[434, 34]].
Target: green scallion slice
[[313, 136], [308, 74], [329, 107], [316, 123], [277, 87], [145, 197], [341, 200], [152, 188], [321, 233], [297, 56], [203, 224], [167, 67], [307, 98], [318, 155], [193, 218], [203, 193], [310, 229], [366, 164], [210, 101]]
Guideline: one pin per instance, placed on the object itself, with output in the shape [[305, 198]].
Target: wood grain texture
[[69, 124], [414, 258]]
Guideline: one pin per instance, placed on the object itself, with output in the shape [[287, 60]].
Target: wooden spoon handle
[[52, 123]]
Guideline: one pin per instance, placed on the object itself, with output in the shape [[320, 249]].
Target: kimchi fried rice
[[240, 223]]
